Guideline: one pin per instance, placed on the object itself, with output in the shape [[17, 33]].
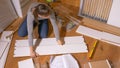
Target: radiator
[[96, 9]]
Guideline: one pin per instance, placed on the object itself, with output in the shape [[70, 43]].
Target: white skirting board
[[89, 32], [49, 46], [4, 47], [103, 36], [26, 63], [110, 38]]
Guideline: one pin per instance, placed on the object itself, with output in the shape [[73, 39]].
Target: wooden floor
[[103, 50]]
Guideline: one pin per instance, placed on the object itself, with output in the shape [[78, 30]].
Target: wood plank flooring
[[103, 50]]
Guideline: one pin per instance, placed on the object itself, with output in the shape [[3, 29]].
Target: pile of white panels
[[4, 47], [103, 36], [49, 46]]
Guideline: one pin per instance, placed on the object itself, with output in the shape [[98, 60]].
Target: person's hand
[[60, 42], [33, 54]]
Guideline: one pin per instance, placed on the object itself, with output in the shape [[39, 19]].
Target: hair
[[42, 10]]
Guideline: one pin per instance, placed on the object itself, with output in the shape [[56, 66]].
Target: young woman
[[38, 13]]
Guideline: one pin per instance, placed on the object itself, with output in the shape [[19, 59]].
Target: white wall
[[114, 17], [7, 14], [17, 6]]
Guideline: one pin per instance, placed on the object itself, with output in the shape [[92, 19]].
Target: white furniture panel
[[103, 36], [4, 47], [49, 46], [26, 64]]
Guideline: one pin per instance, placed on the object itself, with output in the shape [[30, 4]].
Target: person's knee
[[43, 36], [21, 34]]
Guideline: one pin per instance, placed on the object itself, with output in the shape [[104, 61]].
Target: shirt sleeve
[[30, 19], [55, 27]]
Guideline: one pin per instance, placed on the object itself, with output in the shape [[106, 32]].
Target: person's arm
[[32, 52], [30, 19], [55, 28]]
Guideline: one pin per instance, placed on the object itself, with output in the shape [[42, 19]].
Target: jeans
[[42, 28]]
